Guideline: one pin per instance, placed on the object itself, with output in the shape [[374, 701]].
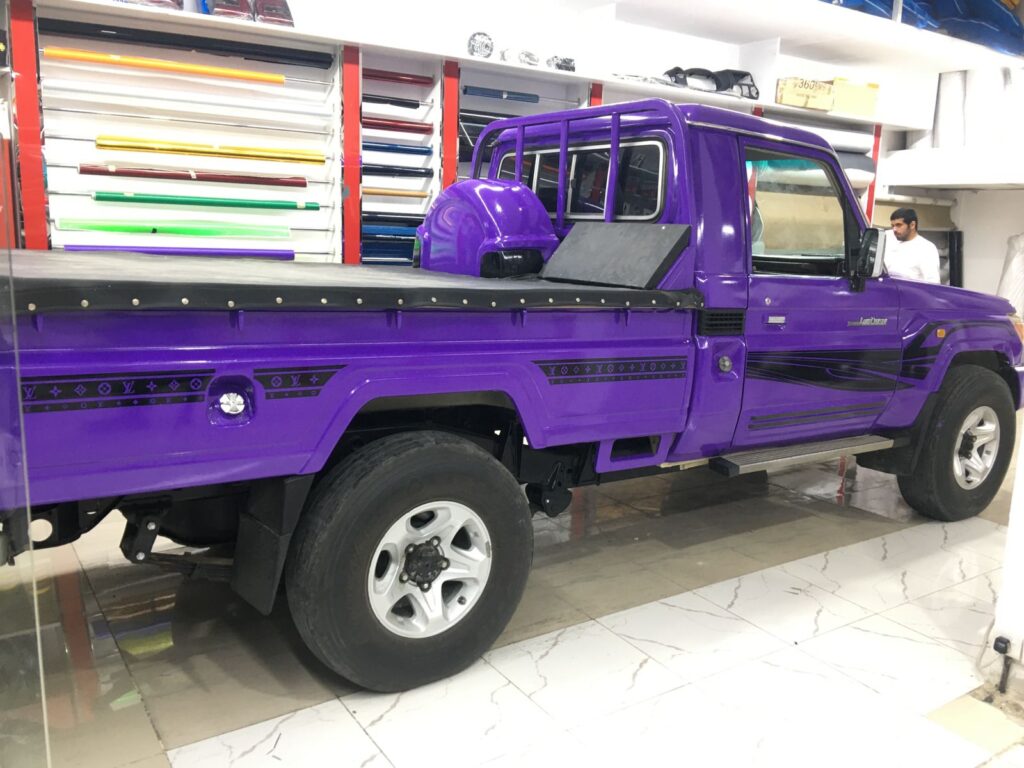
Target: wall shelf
[[953, 169]]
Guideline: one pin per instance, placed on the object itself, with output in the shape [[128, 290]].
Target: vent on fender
[[720, 322]]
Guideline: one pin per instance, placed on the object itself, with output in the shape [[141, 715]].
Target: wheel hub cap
[[977, 448], [429, 569]]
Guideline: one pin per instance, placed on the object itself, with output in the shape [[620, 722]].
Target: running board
[[733, 464]]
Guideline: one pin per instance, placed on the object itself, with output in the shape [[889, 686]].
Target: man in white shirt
[[910, 255]]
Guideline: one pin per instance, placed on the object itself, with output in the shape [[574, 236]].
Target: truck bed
[[58, 281]]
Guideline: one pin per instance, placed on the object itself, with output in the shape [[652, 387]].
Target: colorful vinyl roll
[[497, 93], [392, 101], [400, 149], [210, 150], [215, 202], [187, 228], [405, 126], [176, 174], [381, 230], [381, 192], [400, 219], [397, 171], [387, 76], [231, 253], [162, 65]]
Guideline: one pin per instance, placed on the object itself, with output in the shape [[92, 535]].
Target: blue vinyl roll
[[402, 149], [377, 229]]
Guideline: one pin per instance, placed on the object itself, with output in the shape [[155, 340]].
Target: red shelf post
[[351, 109], [25, 69], [450, 124]]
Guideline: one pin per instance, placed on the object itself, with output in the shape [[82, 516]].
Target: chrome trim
[[827, 149]]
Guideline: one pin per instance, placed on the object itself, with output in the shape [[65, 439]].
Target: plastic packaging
[[274, 12], [177, 5], [235, 9]]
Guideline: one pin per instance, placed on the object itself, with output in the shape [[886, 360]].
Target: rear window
[[639, 188]]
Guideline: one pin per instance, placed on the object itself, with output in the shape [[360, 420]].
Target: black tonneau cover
[[47, 281]]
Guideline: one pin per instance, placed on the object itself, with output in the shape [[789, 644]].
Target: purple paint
[[232, 253]]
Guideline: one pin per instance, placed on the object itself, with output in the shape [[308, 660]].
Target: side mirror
[[869, 260]]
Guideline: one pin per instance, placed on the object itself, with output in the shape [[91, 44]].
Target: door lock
[[725, 364]]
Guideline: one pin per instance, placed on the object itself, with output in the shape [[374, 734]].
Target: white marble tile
[[982, 537], [985, 587], [320, 735], [951, 617], [691, 636], [1011, 758], [906, 667], [582, 672], [559, 751], [787, 606], [876, 579], [470, 718]]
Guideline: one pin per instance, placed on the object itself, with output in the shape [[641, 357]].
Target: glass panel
[[797, 217], [639, 181], [507, 169], [547, 179], [590, 180]]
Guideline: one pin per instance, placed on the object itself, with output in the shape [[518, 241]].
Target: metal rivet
[[279, 300], [150, 526], [184, 300], [494, 303], [602, 301], [577, 299], [627, 303], [85, 303], [522, 301], [679, 303], [323, 301], [433, 300], [654, 301], [231, 303], [31, 307], [465, 301], [359, 301], [140, 556], [401, 302], [135, 302], [551, 301]]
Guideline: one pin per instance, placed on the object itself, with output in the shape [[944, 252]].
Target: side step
[[733, 464]]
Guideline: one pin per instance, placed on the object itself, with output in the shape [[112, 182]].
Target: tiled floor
[[801, 619]]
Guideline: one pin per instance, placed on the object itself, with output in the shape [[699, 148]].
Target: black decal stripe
[[919, 358], [120, 375], [89, 405], [309, 368], [866, 370], [604, 370], [805, 420], [819, 411], [616, 360]]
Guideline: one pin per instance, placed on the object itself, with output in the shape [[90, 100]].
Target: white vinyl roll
[[949, 111]]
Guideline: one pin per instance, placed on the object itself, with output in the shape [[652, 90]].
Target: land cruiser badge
[[868, 322]]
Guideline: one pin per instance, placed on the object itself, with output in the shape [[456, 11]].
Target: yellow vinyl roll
[[381, 191], [141, 62], [210, 150]]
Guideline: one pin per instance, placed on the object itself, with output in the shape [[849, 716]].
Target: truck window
[[797, 218], [639, 190]]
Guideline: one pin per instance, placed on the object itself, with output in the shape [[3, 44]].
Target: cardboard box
[[810, 94], [855, 98]]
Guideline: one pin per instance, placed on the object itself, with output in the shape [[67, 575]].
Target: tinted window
[[797, 215], [589, 181], [546, 185], [639, 182], [507, 170]]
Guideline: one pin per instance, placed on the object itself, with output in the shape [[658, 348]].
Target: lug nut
[[425, 586], [462, 601], [435, 541], [410, 549], [445, 564], [403, 577], [151, 526]]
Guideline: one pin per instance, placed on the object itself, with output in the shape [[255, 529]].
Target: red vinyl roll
[[405, 126], [191, 175], [397, 77]]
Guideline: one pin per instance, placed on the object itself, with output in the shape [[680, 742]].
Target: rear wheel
[[969, 444], [409, 560]]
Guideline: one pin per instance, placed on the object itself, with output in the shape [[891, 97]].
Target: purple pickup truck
[[618, 291]]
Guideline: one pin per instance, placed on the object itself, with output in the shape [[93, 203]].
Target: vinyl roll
[[387, 76], [397, 171], [161, 65], [214, 202], [155, 250], [400, 149], [392, 101], [382, 192], [497, 93], [181, 174], [389, 231], [210, 150], [395, 219], [404, 126], [187, 228]]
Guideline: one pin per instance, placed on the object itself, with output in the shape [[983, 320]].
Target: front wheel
[[969, 444], [409, 560]]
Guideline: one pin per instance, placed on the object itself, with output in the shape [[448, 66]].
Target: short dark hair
[[909, 215]]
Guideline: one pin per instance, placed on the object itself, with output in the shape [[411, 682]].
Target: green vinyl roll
[[189, 228], [219, 202]]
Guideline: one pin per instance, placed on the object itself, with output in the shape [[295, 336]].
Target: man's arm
[[930, 267]]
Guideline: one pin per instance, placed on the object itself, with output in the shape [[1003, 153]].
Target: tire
[[352, 514], [933, 488]]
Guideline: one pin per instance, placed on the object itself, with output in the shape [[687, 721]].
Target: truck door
[[822, 358]]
